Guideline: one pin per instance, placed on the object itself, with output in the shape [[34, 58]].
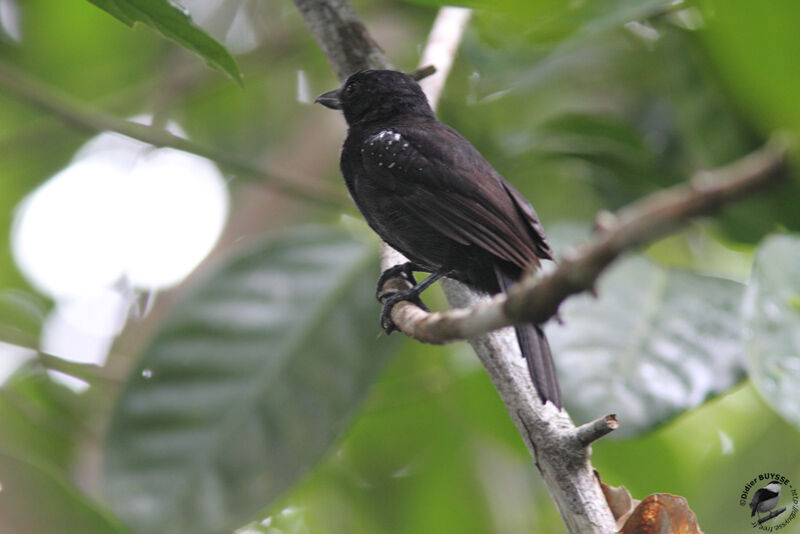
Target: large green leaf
[[252, 378], [655, 343], [752, 44], [34, 500], [772, 320], [174, 23]]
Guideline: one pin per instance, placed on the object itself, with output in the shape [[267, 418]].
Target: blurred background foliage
[[255, 393]]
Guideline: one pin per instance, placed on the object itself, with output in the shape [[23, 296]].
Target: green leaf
[[34, 500], [252, 378], [40, 418], [772, 321], [557, 22], [173, 23], [414, 457], [21, 316], [750, 44], [655, 343]]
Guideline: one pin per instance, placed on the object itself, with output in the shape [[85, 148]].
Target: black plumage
[[429, 193]]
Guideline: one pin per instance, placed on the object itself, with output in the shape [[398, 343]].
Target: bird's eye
[[349, 88]]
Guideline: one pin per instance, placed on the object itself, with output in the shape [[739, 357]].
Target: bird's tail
[[536, 351]]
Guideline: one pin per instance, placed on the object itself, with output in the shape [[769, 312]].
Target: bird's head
[[774, 486], [377, 95]]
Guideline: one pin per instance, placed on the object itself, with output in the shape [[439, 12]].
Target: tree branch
[[773, 514], [559, 450], [342, 36], [537, 299], [76, 113]]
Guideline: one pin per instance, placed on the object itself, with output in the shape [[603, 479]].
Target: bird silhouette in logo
[[765, 499]]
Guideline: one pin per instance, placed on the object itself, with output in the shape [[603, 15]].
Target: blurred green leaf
[[252, 378], [556, 20], [772, 324], [34, 500], [21, 316], [655, 343], [173, 23], [41, 419], [408, 463], [706, 455], [624, 167], [609, 119], [753, 46]]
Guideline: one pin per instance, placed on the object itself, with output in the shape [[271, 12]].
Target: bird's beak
[[331, 99]]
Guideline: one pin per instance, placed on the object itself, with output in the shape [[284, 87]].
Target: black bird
[[429, 193]]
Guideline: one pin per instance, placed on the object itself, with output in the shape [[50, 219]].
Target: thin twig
[[88, 372], [775, 513], [591, 432], [423, 72], [77, 113]]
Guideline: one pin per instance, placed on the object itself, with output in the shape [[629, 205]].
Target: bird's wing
[[438, 176], [761, 495], [757, 496]]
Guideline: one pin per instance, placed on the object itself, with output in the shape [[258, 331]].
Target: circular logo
[[770, 501]]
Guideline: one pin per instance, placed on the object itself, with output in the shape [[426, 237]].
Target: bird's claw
[[389, 299], [404, 270]]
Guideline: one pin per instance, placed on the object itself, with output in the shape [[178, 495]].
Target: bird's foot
[[390, 298], [404, 270]]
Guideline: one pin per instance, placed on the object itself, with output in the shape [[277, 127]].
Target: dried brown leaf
[[619, 501], [662, 513]]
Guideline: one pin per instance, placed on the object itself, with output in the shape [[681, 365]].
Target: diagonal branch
[[640, 223], [78, 114]]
